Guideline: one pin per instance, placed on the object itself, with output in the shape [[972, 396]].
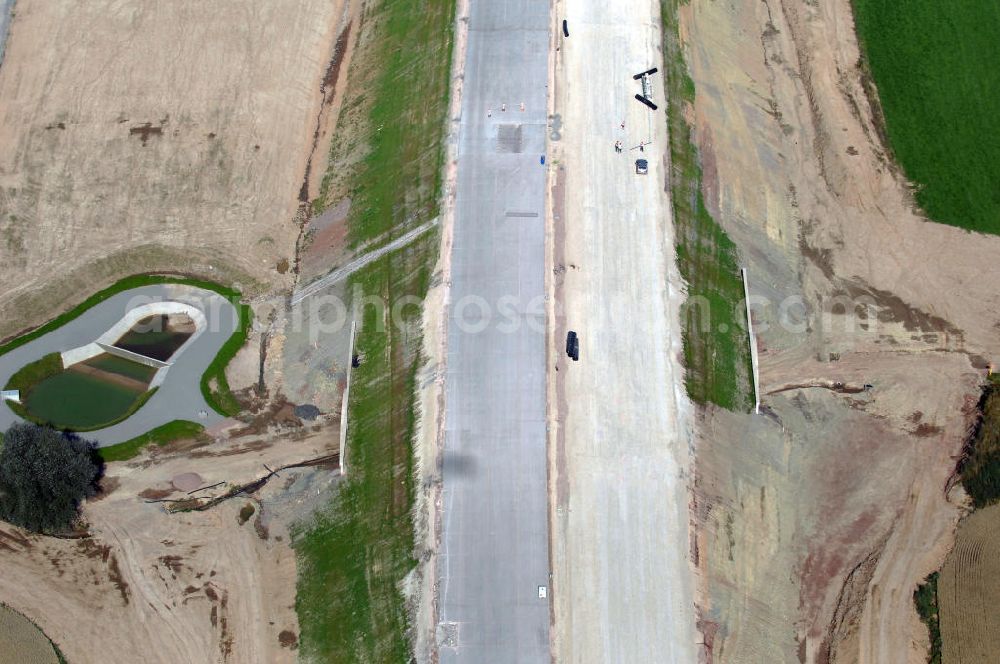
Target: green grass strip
[[161, 435], [935, 66], [214, 386], [353, 558], [35, 372], [716, 346]]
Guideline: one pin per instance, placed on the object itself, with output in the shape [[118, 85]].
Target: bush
[[980, 470], [44, 474], [926, 600]]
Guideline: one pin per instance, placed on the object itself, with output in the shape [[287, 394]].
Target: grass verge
[[716, 348], [935, 65], [353, 557], [161, 435], [214, 386], [925, 598]]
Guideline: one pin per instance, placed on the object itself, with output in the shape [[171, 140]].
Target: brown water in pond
[[157, 336]]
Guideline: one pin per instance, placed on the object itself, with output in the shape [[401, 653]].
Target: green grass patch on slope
[[935, 66], [214, 385], [716, 348], [161, 435], [393, 113], [353, 557]]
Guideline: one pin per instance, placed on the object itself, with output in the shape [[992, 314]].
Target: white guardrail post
[[344, 401], [753, 343]]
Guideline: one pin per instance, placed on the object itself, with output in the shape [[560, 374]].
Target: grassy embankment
[[935, 66], [716, 348], [980, 467], [354, 555]]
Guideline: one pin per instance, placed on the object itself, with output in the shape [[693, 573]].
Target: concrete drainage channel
[[95, 333]]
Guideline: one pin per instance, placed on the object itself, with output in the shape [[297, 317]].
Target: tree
[[44, 474]]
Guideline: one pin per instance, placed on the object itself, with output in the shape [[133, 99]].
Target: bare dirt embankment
[[153, 586], [139, 136], [816, 520]]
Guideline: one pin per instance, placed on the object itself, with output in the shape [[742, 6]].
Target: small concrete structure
[[10, 395]]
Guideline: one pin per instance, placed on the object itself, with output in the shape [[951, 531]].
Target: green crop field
[[936, 68]]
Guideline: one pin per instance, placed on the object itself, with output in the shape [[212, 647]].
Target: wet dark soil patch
[[288, 639], [144, 131], [157, 337]]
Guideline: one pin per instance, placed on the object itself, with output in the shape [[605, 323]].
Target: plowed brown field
[[969, 591]]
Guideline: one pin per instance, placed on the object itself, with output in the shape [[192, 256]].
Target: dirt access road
[[620, 433], [150, 586]]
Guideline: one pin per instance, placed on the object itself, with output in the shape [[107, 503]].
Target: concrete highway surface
[[622, 581], [494, 551], [179, 398]]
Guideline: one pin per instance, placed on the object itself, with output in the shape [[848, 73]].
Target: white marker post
[[345, 400], [753, 343]]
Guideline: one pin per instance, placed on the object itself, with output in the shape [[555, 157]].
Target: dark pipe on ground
[[646, 102], [648, 72]]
